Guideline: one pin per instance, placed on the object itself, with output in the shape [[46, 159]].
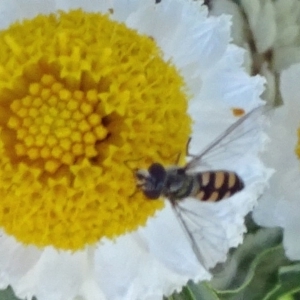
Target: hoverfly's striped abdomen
[[218, 185]]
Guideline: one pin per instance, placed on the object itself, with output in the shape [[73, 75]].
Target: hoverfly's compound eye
[[151, 181], [158, 172]]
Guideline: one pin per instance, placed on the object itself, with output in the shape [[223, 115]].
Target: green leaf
[[252, 270], [250, 273], [202, 291], [8, 294], [288, 283], [260, 278], [193, 291], [240, 268]]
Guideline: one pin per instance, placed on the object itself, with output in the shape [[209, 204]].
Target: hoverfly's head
[[152, 181]]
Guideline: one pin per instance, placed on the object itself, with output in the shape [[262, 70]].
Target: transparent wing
[[205, 232], [234, 142]]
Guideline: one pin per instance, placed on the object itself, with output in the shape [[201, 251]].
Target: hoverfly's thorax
[[178, 184]]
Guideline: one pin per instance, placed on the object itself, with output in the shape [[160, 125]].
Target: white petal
[[289, 86], [30, 8], [56, 276], [238, 28], [9, 12], [88, 5], [286, 56], [287, 12], [12, 263], [16, 10], [279, 206], [265, 29], [232, 88], [205, 38], [291, 235], [270, 92], [145, 270], [248, 63], [287, 35], [226, 85], [261, 17], [284, 7], [252, 9], [91, 291]]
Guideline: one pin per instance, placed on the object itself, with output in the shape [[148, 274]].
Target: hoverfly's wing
[[240, 135], [205, 231]]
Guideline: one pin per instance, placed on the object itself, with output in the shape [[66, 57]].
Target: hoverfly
[[177, 183]]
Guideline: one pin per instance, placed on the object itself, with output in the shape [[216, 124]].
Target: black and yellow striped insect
[[178, 183]]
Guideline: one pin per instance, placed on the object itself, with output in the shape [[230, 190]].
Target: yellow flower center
[[83, 102]]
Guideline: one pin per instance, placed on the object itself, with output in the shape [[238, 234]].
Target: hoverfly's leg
[[178, 157], [187, 153]]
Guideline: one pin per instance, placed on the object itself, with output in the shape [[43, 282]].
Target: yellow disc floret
[[83, 102]]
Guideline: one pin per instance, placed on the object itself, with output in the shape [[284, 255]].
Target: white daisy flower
[[90, 91], [279, 206], [269, 31]]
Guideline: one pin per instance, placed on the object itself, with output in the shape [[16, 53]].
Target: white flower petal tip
[[158, 259], [279, 205]]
